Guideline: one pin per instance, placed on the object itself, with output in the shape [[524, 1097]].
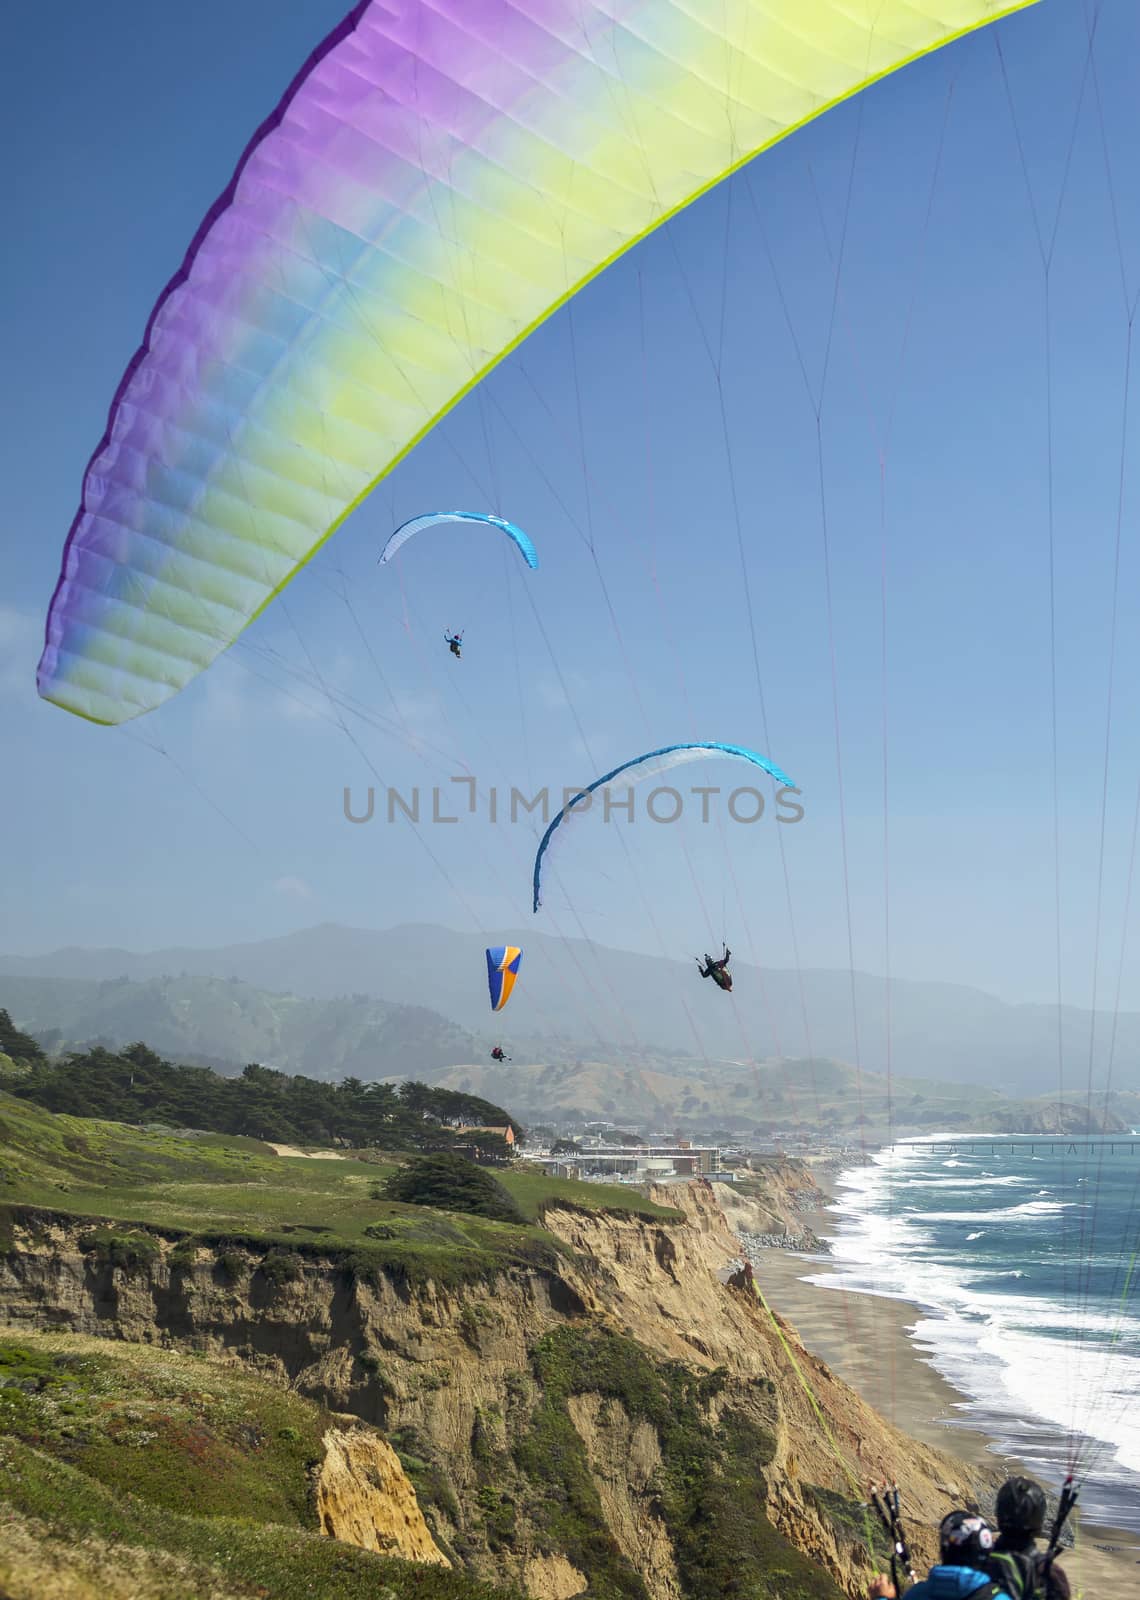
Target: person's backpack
[[1020, 1574]]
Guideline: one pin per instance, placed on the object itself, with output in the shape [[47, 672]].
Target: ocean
[[1023, 1257]]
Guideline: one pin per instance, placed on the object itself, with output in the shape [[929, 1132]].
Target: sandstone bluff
[[482, 1425]]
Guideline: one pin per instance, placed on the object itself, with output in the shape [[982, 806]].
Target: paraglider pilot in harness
[[717, 970], [454, 640], [497, 1054], [976, 1566]]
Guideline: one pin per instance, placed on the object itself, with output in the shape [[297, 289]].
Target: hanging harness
[[1013, 1574]]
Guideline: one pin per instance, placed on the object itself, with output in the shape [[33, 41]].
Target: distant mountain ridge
[[225, 1023], [615, 1005]]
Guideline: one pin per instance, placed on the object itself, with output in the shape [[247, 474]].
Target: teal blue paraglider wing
[[648, 766], [430, 519]]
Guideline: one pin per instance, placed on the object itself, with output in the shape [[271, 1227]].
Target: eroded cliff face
[[450, 1375], [667, 1290], [776, 1205]]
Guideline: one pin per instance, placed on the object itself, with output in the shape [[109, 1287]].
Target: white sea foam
[[1027, 1212], [1005, 1182], [1049, 1365]]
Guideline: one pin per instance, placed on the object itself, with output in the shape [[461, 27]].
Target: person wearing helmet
[[1015, 1562], [964, 1544], [717, 970]]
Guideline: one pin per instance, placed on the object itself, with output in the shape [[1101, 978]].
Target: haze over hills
[[617, 1006], [224, 1023]]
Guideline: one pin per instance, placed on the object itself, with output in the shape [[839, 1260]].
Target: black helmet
[[1021, 1506], [964, 1538]]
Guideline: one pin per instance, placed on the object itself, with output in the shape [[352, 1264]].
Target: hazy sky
[[123, 123]]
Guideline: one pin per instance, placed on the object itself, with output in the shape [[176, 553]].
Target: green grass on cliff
[[185, 1434], [145, 1473], [235, 1195], [534, 1193], [222, 1187], [58, 1524]]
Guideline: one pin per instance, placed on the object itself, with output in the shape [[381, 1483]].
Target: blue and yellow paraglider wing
[[503, 961]]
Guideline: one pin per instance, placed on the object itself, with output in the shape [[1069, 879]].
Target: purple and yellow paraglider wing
[[503, 962], [439, 178]]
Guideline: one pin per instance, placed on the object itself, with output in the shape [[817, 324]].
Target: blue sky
[[219, 817]]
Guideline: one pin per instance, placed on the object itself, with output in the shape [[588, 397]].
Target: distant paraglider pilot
[[717, 970], [454, 640], [497, 1054]]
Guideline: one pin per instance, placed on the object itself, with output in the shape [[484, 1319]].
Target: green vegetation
[[128, 1251], [122, 1465], [138, 1086], [117, 1451], [534, 1193], [17, 1046], [452, 1184], [236, 1199], [183, 1434]]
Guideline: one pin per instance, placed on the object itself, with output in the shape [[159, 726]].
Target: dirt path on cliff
[[309, 1155]]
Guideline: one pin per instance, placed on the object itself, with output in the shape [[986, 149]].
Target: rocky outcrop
[[552, 1578], [364, 1498]]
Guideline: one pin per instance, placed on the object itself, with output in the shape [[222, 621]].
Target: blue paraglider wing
[[648, 766], [503, 962], [406, 530]]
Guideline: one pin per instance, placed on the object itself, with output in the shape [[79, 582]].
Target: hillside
[[566, 997], [120, 1468], [731, 1097], [578, 1404]]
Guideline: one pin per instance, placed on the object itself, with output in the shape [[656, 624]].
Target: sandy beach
[[865, 1340]]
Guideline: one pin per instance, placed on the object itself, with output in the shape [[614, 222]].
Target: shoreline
[[866, 1340]]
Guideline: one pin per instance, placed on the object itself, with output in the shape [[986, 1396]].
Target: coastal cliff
[[549, 1427], [774, 1205]]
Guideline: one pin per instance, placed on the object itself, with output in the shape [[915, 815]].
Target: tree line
[[136, 1085]]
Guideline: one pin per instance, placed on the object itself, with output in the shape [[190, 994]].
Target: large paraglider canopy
[[650, 766], [437, 180]]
